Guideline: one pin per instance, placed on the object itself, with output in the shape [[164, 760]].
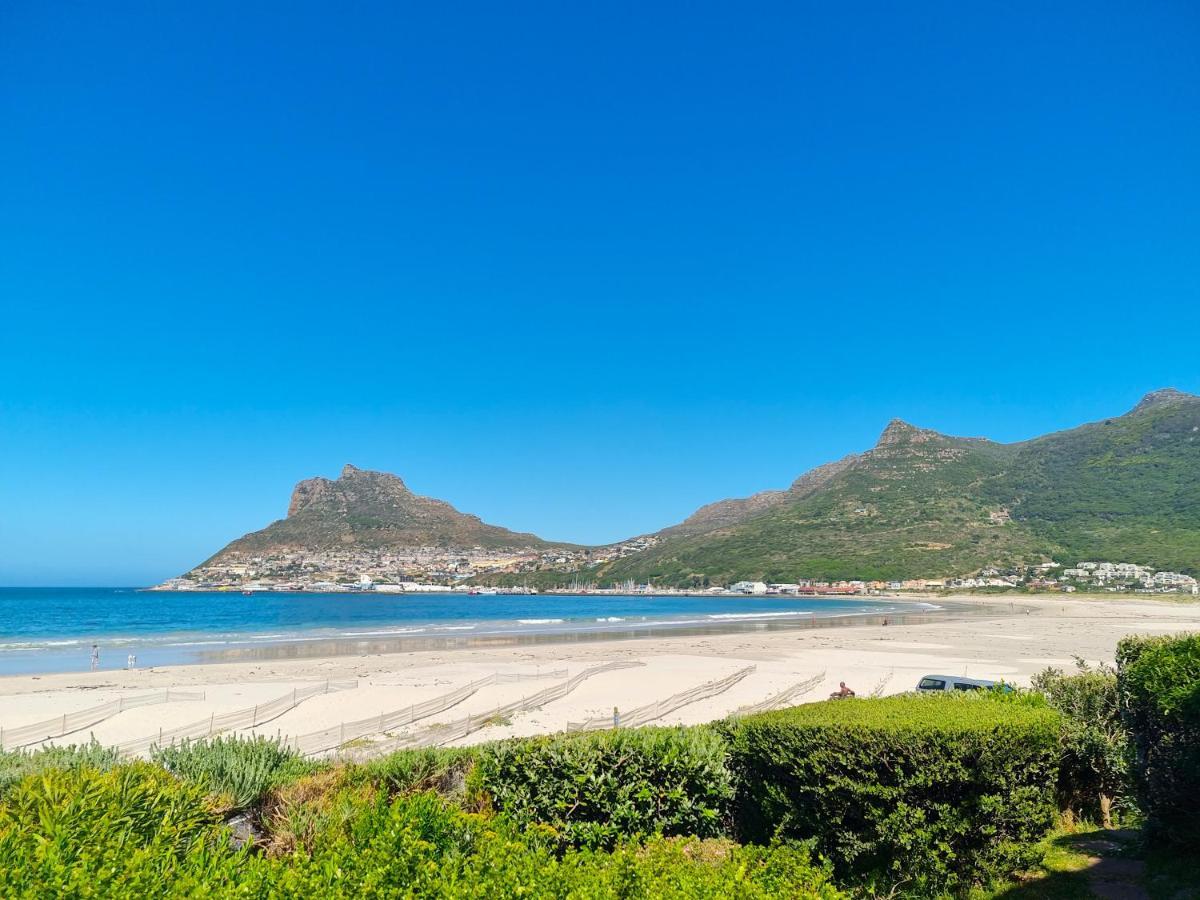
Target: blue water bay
[[53, 629]]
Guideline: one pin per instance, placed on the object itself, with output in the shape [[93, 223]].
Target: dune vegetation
[[960, 795]]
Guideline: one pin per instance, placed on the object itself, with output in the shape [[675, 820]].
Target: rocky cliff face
[[362, 509]]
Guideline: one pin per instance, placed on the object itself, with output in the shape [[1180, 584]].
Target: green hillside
[[1126, 488], [921, 504]]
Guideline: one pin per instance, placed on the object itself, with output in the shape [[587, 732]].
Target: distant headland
[[1110, 505]]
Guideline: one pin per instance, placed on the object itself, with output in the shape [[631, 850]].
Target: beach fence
[[787, 697], [334, 737], [660, 708], [68, 723], [439, 735], [248, 717]]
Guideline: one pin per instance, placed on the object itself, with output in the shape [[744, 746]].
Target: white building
[[749, 587]]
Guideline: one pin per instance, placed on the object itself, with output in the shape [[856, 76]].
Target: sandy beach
[[1000, 640]]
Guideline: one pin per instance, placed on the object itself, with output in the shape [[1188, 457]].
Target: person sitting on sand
[[842, 692]]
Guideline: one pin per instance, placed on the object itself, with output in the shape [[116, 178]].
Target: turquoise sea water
[[52, 629]]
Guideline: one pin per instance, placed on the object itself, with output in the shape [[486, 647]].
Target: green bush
[[596, 789], [1093, 768], [123, 833], [438, 769], [235, 771], [928, 793], [1159, 686], [17, 764], [138, 832], [421, 846]]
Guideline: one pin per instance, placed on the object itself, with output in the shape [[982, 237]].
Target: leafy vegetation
[[17, 764], [1159, 685], [914, 795], [1094, 766], [928, 793], [420, 846], [123, 833], [136, 831], [596, 790], [238, 771]]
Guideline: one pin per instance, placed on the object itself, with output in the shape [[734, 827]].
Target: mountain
[[919, 504], [363, 510], [924, 504]]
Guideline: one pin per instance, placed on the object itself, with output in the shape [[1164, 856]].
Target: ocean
[[53, 629]]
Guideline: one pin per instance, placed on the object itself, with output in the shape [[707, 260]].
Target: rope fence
[[438, 735], [660, 708], [332, 738], [248, 717], [69, 723], [786, 697]]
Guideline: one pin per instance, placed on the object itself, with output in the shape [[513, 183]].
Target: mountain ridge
[[918, 503], [922, 504]]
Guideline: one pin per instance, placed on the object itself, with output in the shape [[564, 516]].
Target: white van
[[958, 683]]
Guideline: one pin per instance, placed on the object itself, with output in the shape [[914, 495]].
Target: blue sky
[[575, 268]]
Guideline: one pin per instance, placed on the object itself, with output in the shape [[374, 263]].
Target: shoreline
[[231, 628], [984, 640]]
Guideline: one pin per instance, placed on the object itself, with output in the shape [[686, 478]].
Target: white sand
[[1013, 644]]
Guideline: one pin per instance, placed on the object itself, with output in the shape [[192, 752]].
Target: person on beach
[[131, 661], [95, 657], [842, 692]]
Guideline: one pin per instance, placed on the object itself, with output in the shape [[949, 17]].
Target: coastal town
[[433, 569], [392, 569]]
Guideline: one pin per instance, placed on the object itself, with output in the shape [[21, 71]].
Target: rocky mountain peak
[[353, 485], [900, 432], [1164, 397]]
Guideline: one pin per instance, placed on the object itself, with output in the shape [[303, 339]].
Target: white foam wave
[[388, 631]]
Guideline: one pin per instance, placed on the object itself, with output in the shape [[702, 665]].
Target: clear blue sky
[[575, 268]]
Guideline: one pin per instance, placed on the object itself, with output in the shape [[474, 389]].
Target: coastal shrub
[[125, 832], [17, 764], [137, 831], [1159, 687], [923, 793], [235, 771], [1093, 771], [420, 845], [597, 789], [441, 769]]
